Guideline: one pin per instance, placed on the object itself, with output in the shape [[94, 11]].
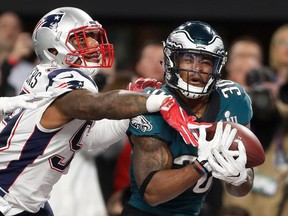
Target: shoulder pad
[[234, 99], [65, 80]]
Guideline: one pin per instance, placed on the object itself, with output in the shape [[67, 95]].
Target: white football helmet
[[193, 38], [55, 31]]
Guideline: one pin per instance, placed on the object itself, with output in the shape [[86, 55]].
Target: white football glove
[[9, 104], [220, 137], [229, 165]]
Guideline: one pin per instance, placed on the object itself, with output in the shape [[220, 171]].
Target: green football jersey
[[229, 102]]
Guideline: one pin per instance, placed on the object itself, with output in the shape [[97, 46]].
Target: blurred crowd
[[105, 176]]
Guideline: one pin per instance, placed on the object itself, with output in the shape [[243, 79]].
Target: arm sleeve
[[104, 133]]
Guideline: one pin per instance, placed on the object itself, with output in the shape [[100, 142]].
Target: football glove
[[142, 83], [205, 146], [177, 118], [229, 165]]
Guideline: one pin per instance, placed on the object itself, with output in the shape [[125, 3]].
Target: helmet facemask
[[53, 35], [201, 42], [204, 79], [89, 45]]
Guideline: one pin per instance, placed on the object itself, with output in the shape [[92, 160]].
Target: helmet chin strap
[[193, 92], [90, 68]]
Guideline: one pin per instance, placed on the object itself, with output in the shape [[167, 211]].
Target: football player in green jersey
[[169, 176]]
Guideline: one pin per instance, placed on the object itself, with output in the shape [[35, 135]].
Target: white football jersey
[[32, 158]]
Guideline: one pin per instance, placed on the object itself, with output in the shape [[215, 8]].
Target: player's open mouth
[[196, 82], [94, 57]]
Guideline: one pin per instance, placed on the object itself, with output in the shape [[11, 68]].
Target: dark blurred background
[[131, 22]]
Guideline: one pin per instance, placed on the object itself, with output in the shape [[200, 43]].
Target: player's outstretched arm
[[157, 182], [83, 104], [118, 104]]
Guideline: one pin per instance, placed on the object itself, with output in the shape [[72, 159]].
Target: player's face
[[89, 45], [195, 69]]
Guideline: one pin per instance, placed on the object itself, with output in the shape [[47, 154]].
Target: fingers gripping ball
[[254, 150]]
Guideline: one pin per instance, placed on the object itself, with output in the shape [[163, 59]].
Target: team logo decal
[[140, 122], [229, 117], [51, 21], [74, 84]]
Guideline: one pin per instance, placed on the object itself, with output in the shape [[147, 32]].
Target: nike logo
[[69, 76]]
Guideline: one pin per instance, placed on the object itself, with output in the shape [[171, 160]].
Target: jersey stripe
[[6, 132], [33, 148]]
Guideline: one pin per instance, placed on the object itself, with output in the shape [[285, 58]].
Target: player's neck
[[198, 106]]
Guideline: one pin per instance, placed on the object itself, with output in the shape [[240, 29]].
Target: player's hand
[[177, 118], [205, 146], [27, 101], [143, 83], [229, 165]]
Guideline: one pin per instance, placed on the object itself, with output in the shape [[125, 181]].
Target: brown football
[[254, 150]]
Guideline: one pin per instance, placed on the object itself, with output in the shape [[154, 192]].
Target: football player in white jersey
[[37, 145]]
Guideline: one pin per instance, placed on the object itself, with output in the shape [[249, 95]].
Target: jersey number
[[57, 161], [229, 88], [204, 183]]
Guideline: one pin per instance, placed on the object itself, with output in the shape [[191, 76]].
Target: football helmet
[[69, 30], [193, 38]]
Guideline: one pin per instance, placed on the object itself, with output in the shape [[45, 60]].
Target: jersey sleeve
[[248, 106], [235, 103], [245, 107], [65, 80], [153, 124]]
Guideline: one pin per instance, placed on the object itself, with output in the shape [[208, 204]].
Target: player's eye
[[187, 58], [207, 62], [81, 39]]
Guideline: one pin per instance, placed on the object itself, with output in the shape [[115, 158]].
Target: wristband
[[199, 167], [154, 102], [146, 182]]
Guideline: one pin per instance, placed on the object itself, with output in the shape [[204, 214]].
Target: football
[[254, 150]]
